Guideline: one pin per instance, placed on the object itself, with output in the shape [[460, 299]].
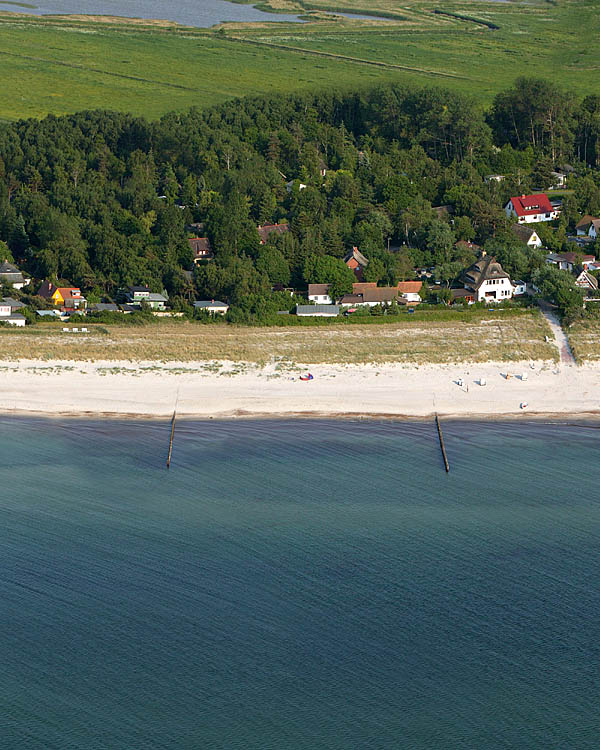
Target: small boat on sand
[[306, 377]]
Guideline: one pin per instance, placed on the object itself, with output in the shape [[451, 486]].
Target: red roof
[[410, 287], [529, 205], [577, 258], [360, 286]]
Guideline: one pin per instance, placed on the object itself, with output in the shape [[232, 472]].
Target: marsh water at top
[[298, 585], [201, 13]]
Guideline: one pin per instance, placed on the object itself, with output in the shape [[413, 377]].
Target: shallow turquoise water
[[298, 585]]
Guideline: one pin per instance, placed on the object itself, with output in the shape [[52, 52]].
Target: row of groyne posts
[[442, 444], [437, 424]]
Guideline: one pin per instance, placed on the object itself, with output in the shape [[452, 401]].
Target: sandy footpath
[[236, 390]]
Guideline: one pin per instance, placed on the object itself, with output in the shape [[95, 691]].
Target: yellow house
[[66, 297]]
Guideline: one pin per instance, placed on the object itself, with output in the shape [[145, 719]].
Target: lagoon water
[[305, 585], [201, 13], [189, 12]]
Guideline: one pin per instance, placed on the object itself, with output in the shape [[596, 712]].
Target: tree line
[[103, 199]]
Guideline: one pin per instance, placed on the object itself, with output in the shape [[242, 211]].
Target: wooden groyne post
[[171, 438], [442, 446]]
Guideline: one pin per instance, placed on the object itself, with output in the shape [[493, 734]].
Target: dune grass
[[512, 338], [584, 338]]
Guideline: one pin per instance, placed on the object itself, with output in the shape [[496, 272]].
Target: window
[[547, 216]]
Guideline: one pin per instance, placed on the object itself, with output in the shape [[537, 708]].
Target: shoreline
[[244, 391], [577, 419]]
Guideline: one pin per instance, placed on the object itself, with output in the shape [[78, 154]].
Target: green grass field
[[60, 66]]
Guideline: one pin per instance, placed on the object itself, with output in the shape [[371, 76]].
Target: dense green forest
[[103, 199]]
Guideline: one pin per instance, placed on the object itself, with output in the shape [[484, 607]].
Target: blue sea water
[[308, 585]]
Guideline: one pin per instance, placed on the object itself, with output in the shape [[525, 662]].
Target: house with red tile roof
[[356, 262], [531, 208], [68, 298], [410, 287]]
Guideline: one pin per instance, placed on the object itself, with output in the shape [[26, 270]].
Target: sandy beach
[[227, 390]]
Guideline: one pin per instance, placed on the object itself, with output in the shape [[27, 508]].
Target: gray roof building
[[103, 307], [15, 304], [211, 304], [11, 274], [318, 311]]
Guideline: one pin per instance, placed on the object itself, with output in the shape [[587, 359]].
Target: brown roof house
[[265, 230], [526, 234], [356, 262], [567, 261], [583, 225], [487, 280], [201, 249]]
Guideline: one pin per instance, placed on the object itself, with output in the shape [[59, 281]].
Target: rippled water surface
[[189, 12], [301, 585]]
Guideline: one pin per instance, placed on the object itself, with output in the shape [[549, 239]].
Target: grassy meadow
[[514, 337], [61, 65]]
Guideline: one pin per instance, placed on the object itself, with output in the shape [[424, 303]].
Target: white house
[[317, 311], [214, 307], [319, 294], [139, 294], [527, 234], [584, 279], [289, 186], [567, 261], [594, 229], [559, 180], [584, 224], [519, 288], [10, 274], [531, 208], [488, 280], [10, 317]]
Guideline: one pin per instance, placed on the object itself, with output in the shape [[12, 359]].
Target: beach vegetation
[[435, 336]]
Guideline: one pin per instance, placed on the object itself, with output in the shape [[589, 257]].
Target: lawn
[[554, 41], [60, 66], [482, 338]]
